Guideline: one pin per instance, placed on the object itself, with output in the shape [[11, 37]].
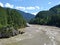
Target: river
[[35, 35]]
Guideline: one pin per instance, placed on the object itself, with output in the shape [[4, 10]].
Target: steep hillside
[[50, 17], [10, 21]]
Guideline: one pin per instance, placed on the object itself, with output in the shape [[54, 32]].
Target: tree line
[[48, 17]]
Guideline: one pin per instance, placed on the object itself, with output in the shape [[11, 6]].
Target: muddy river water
[[35, 35]]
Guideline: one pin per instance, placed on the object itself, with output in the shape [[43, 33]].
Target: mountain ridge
[[27, 16], [48, 17]]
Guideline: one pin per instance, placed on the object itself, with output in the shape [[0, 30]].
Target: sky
[[29, 6]]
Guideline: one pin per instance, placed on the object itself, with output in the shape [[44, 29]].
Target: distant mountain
[[48, 17], [27, 16]]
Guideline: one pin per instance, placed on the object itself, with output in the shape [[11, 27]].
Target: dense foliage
[[15, 19], [50, 17], [10, 19]]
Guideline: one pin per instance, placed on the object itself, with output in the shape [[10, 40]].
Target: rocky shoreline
[[7, 32]]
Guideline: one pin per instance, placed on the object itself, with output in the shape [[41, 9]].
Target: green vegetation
[[10, 21], [50, 17]]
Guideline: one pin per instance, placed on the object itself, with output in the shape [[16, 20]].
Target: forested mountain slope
[[49, 17], [10, 21]]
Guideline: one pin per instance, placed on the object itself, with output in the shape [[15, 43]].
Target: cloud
[[28, 8], [1, 4], [37, 7], [20, 8], [6, 5], [32, 8], [9, 5], [49, 2], [26, 11], [35, 13]]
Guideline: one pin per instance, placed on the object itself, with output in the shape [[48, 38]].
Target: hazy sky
[[30, 6]]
